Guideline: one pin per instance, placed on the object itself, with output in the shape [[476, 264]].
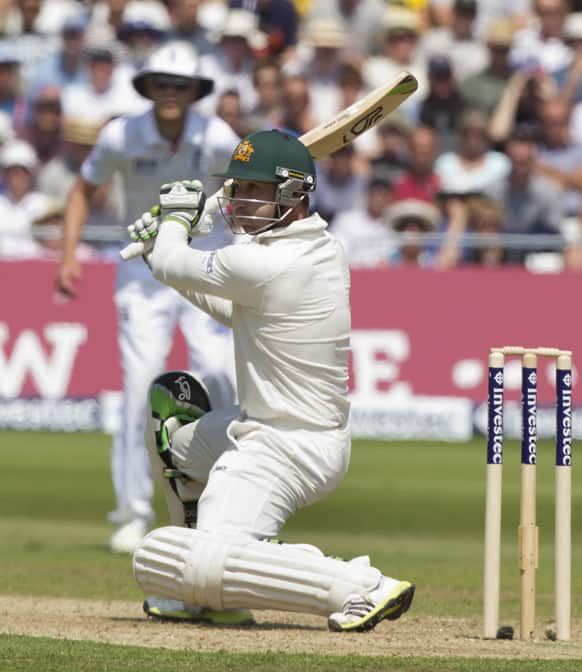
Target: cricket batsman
[[235, 476]]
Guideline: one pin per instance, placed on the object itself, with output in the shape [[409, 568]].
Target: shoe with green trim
[[363, 612], [173, 610]]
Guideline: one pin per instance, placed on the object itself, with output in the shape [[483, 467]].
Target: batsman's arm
[[76, 212], [217, 308]]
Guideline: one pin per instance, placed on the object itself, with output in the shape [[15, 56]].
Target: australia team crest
[[243, 152]]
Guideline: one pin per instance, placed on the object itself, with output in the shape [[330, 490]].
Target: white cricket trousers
[[254, 476], [148, 314]]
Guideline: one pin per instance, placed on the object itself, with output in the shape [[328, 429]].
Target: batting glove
[[182, 202], [146, 227]]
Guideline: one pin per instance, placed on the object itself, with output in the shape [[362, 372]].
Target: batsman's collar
[[312, 225]]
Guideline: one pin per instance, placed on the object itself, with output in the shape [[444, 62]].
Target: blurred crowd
[[481, 166]]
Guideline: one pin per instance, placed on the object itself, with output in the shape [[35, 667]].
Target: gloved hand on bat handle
[[181, 202]]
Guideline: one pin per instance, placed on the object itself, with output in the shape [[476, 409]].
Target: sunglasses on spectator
[[163, 83]]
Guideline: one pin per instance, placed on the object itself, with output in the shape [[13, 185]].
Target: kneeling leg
[[232, 572]]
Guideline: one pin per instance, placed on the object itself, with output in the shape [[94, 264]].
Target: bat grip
[[140, 248]]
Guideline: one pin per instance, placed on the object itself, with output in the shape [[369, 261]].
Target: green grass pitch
[[415, 507]]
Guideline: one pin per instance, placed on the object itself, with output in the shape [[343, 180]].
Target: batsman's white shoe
[[389, 601], [127, 537], [174, 610]]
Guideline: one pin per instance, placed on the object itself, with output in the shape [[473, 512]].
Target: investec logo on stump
[[530, 404], [565, 420], [496, 418]]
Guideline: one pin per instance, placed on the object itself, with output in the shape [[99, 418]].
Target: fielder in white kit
[[244, 471], [165, 143]]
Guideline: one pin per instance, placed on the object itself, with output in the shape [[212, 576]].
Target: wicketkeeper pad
[[202, 568]]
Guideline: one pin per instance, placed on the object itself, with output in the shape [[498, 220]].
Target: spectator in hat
[[326, 41], [362, 19], [399, 52], [144, 26], [187, 27], [362, 231], [44, 127], [16, 241], [483, 90], [443, 107], [12, 102], [474, 166], [232, 64], [57, 176], [103, 96], [458, 42], [411, 219], [66, 65], [19, 163], [420, 181]]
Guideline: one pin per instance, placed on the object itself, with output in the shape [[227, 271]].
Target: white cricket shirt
[[286, 295]]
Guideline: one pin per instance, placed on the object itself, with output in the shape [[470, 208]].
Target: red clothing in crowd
[[410, 186]]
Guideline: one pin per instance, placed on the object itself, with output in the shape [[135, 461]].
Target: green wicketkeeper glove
[[182, 202]]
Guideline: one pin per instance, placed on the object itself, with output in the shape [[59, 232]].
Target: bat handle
[[134, 250], [140, 248]]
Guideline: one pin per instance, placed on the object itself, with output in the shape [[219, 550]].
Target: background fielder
[[286, 296], [168, 141]]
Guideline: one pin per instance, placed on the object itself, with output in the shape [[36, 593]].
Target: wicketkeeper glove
[[182, 202], [146, 227]]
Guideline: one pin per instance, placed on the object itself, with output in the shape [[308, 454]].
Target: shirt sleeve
[[219, 309], [103, 160], [237, 273]]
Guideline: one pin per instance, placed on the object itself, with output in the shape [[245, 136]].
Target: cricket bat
[[330, 136]]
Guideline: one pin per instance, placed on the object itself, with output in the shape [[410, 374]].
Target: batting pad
[[203, 568]]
